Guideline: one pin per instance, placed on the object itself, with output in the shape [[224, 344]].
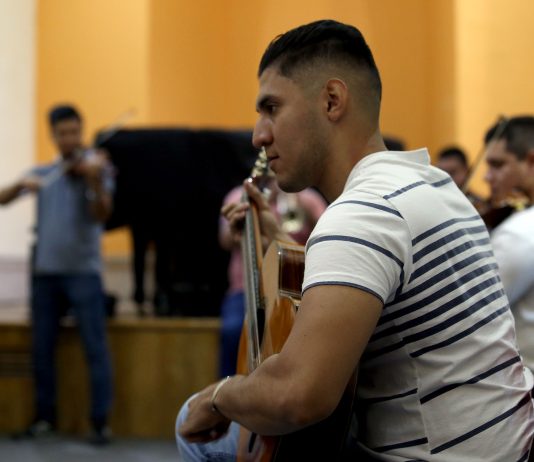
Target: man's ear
[[336, 96], [529, 158]]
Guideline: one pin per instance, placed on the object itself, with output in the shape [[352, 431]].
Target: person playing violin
[[73, 201], [510, 169], [453, 160], [399, 280]]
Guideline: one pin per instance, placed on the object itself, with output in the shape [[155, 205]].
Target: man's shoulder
[[519, 224], [361, 212], [518, 219], [364, 194], [44, 169]]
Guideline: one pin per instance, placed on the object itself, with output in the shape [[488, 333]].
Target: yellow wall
[[204, 58], [494, 66], [448, 66], [200, 65], [93, 53]]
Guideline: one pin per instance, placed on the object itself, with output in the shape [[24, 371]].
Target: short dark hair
[[326, 40], [63, 112], [453, 152], [517, 131]]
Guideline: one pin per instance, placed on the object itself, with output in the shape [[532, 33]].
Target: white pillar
[[17, 113]]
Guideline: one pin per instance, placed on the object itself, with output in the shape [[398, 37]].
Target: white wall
[[17, 109]]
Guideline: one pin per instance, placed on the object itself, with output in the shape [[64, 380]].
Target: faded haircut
[[321, 42], [517, 131]]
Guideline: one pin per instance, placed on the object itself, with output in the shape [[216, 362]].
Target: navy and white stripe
[[445, 346]]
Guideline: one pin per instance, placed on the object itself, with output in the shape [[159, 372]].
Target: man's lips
[[272, 160]]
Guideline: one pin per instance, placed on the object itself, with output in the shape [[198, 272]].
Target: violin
[[493, 212], [90, 166], [87, 162], [77, 164]]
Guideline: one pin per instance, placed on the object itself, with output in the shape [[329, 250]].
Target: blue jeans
[[232, 315], [83, 294], [222, 450]]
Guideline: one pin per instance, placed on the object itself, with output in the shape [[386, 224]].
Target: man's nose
[[262, 135]]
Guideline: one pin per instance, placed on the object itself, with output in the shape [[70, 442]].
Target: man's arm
[[10, 193], [304, 382], [100, 201]]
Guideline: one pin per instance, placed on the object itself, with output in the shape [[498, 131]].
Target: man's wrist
[[215, 393], [93, 192]]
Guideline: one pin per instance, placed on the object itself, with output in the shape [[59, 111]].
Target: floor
[[62, 449], [13, 306]]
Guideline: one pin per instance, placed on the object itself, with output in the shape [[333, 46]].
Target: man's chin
[[68, 153], [289, 186]]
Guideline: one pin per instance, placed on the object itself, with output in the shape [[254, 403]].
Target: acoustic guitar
[[272, 297]]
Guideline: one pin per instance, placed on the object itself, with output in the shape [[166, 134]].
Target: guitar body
[[282, 274]]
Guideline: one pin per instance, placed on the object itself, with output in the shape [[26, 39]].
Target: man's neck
[[338, 172]]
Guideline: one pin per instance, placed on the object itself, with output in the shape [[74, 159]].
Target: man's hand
[[235, 214], [203, 424], [92, 167]]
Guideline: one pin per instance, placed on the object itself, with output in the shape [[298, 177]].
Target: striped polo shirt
[[441, 378]]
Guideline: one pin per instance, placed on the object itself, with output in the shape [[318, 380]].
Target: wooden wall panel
[[157, 364]]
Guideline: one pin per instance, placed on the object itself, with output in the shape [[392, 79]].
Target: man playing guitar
[[400, 279]]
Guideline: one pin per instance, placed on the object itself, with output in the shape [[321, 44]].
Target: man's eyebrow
[[262, 102]]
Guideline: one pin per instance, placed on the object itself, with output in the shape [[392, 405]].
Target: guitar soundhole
[[251, 441]]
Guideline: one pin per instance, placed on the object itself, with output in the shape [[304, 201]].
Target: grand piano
[[170, 184]]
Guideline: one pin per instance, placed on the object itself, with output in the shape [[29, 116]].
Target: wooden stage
[[157, 364]]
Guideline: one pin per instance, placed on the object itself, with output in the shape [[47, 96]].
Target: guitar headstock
[[261, 173]]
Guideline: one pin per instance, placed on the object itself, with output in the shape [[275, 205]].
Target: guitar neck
[[254, 308]]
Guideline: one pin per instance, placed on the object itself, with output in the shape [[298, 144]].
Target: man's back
[[441, 375]]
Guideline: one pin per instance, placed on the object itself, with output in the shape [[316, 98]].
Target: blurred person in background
[[298, 213], [510, 161], [73, 200], [453, 160]]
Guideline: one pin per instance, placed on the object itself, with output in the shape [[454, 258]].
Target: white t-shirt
[[513, 245], [441, 378]]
